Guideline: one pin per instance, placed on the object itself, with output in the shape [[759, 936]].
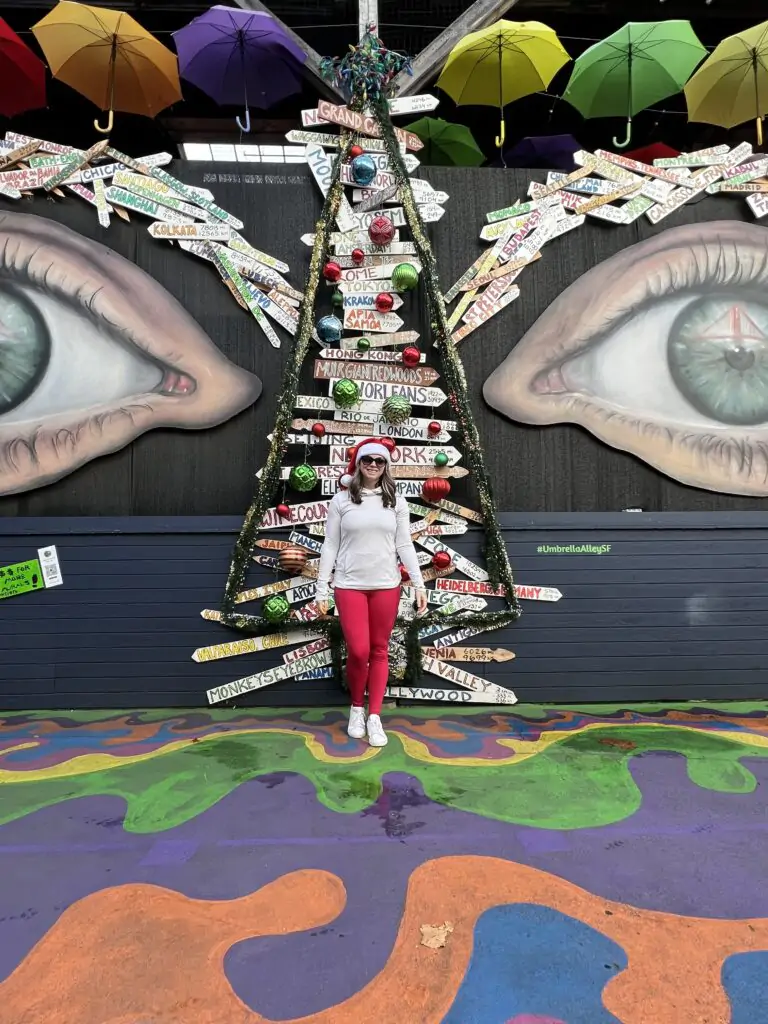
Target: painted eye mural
[[661, 351], [93, 353]]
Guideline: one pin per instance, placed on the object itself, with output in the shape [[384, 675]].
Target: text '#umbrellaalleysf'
[[573, 549]]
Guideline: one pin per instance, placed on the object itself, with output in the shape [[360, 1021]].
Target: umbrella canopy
[[549, 152], [22, 75], [731, 86], [641, 64], [109, 58], [446, 143], [653, 151], [237, 56], [502, 63]]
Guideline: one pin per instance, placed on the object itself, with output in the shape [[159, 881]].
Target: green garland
[[499, 570]]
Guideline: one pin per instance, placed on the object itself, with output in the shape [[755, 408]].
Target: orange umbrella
[[109, 58]]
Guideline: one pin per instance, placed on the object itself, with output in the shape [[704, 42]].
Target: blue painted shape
[[745, 980], [531, 959]]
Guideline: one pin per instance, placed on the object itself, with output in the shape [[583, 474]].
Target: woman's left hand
[[421, 602]]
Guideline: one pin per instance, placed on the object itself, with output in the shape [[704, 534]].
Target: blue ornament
[[363, 169], [329, 330]]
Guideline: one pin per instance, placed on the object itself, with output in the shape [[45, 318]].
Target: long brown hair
[[386, 483]]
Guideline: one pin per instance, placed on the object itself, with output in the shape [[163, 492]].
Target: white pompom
[[346, 480]]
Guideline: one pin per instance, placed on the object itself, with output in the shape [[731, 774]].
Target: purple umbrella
[[234, 55], [549, 152]]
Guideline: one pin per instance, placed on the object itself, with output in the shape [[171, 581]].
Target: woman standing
[[367, 530]]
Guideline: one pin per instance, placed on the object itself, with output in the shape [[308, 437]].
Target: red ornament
[[434, 428], [355, 151], [284, 511], [435, 489], [351, 451], [381, 230], [441, 559], [358, 256], [318, 429], [389, 443], [384, 302], [404, 574], [331, 271], [411, 355]]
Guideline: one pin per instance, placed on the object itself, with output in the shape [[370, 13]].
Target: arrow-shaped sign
[[407, 455], [365, 287], [210, 232], [523, 593], [370, 320], [431, 213], [365, 300], [382, 373], [377, 272], [479, 654], [374, 198], [371, 391], [345, 432], [375, 355], [249, 645], [393, 249], [266, 678], [366, 125], [463, 564], [493, 693], [321, 166]]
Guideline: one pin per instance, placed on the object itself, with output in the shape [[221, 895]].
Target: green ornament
[[396, 409], [441, 459], [346, 393], [363, 345], [405, 277], [276, 608], [303, 477], [337, 299]]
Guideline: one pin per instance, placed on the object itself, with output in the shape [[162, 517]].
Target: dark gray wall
[[676, 610], [173, 473]]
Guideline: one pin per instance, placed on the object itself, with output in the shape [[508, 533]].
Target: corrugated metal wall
[[675, 608]]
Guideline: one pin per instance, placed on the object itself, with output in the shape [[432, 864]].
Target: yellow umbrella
[[731, 86], [502, 63], [109, 58]]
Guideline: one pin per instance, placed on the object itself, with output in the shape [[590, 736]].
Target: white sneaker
[[376, 735], [356, 727]]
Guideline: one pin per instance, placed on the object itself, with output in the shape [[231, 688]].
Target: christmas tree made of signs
[[372, 379]]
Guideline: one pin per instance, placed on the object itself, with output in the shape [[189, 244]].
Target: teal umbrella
[[446, 143], [641, 64]]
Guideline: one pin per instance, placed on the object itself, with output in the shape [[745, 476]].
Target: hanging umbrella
[[237, 56], [548, 152], [731, 86], [22, 75], [653, 151], [641, 64], [446, 143], [109, 58], [502, 63]]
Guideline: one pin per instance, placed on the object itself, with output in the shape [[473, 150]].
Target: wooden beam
[[431, 59], [312, 63]]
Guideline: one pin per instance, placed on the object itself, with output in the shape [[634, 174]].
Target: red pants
[[367, 618]]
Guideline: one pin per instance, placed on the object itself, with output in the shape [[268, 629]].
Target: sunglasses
[[373, 460]]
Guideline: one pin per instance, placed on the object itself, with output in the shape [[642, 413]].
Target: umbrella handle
[[626, 142], [247, 127], [110, 124], [500, 138]]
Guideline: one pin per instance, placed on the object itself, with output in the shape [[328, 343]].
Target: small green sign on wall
[[20, 578]]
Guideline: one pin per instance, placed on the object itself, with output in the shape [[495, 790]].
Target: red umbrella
[[22, 75]]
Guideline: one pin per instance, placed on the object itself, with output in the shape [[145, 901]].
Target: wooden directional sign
[[504, 271], [267, 677], [210, 232], [301, 515], [407, 455], [419, 104], [26, 178], [365, 287], [422, 196], [20, 153], [327, 139], [675, 177], [321, 167], [376, 197], [459, 510], [374, 355], [102, 206], [240, 245], [250, 645], [372, 391], [509, 296], [393, 249], [396, 215], [485, 307], [522, 592], [384, 180], [387, 340], [494, 694], [267, 589], [144, 187], [412, 429], [378, 272], [469, 568], [366, 300], [431, 213], [436, 694], [314, 645], [385, 373], [365, 125], [381, 160], [478, 654], [371, 320], [249, 294], [696, 184]]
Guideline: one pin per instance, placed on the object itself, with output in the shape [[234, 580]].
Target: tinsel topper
[[365, 74]]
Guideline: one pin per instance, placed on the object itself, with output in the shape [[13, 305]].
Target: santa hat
[[382, 446]]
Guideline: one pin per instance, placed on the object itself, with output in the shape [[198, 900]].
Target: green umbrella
[[446, 143], [639, 65]]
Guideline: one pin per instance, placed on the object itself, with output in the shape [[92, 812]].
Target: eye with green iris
[[718, 357], [25, 348]]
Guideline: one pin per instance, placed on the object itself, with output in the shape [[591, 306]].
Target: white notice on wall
[[49, 564]]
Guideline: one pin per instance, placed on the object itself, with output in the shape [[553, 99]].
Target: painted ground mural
[[231, 867]]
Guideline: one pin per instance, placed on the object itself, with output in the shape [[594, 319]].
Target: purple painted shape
[[687, 851]]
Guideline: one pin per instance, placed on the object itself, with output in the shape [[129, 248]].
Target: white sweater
[[363, 542]]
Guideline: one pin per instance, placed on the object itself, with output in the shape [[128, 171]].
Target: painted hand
[[421, 602]]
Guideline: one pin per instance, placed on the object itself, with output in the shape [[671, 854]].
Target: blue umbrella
[[233, 55], [549, 152]]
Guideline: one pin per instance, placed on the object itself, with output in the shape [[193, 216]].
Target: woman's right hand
[[322, 607]]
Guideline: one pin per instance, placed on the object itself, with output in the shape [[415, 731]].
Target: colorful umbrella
[[22, 75], [502, 63], [550, 152], [731, 86], [446, 143], [641, 64], [109, 58], [235, 56]]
